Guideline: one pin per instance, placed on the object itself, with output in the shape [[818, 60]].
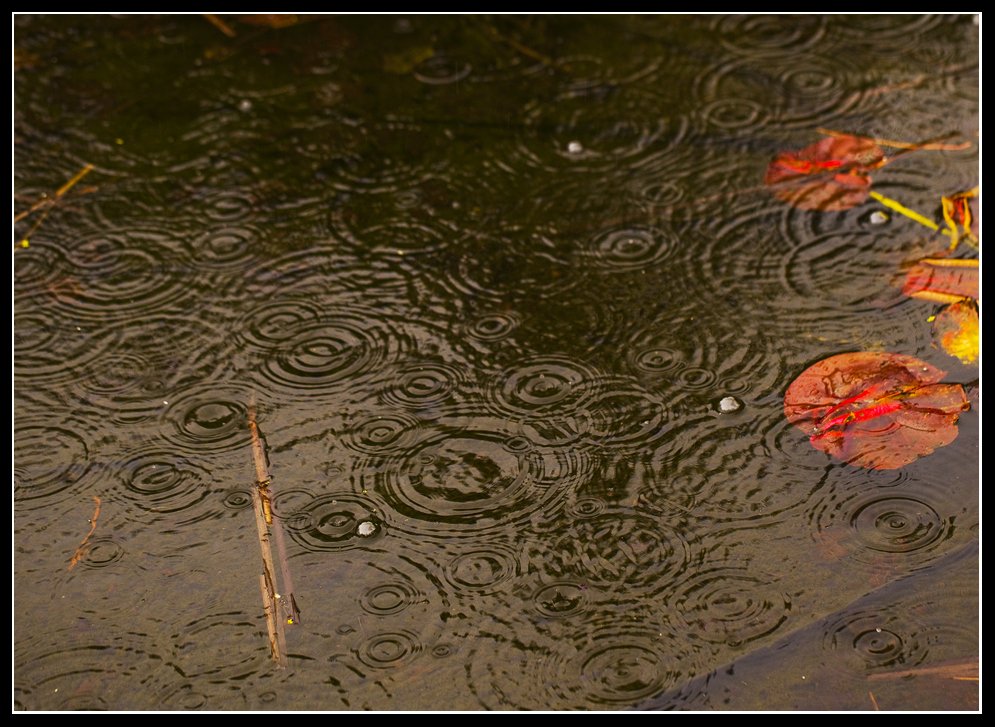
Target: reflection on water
[[489, 282]]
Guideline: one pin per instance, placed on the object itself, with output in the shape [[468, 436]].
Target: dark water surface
[[487, 281]]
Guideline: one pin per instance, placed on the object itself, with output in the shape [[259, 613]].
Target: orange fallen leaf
[[832, 174], [957, 330], [942, 280]]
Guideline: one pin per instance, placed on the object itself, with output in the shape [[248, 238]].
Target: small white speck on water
[[575, 147], [878, 217], [366, 529], [729, 404]]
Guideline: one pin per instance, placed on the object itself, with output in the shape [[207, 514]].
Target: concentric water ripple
[[273, 322], [623, 673], [71, 670], [424, 385], [761, 35], [621, 549], [401, 238], [716, 467], [630, 249], [49, 348], [499, 270], [561, 600], [329, 354], [872, 641], [389, 650], [625, 416], [609, 668], [493, 326], [655, 360], [117, 275], [465, 477], [161, 482], [332, 523], [482, 571], [208, 418], [897, 525], [39, 268], [51, 462], [551, 385], [730, 606], [388, 433], [743, 93], [138, 374], [387, 599], [225, 248]]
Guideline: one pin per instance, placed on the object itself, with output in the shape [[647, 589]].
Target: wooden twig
[[82, 550], [260, 502], [901, 144], [959, 669], [50, 202], [291, 613]]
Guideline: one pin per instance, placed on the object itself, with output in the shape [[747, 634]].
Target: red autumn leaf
[[875, 410], [831, 174], [945, 281]]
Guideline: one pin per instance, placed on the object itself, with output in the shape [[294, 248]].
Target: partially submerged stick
[[280, 608], [82, 549], [267, 580]]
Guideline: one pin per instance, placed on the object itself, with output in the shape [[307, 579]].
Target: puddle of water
[[494, 286]]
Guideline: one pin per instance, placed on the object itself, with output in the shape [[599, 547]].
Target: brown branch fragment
[[271, 597], [49, 202], [220, 24], [82, 550], [901, 144]]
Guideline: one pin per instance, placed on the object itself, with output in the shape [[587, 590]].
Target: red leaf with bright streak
[[831, 174], [945, 281], [875, 410]]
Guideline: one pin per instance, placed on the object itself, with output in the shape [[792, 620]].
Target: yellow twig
[[942, 262], [911, 214]]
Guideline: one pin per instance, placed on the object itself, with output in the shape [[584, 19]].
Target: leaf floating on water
[[962, 209], [958, 332], [875, 410], [944, 281], [830, 175]]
